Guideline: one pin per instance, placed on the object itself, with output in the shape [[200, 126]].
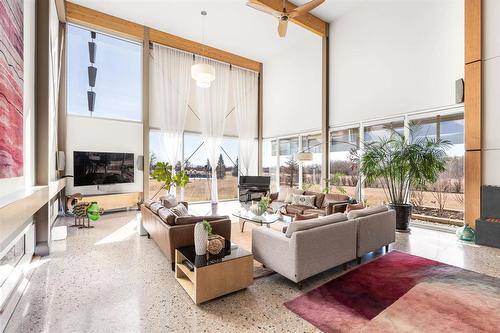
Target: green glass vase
[[466, 233], [94, 211]]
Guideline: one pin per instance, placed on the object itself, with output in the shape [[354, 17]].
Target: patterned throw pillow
[[291, 193], [303, 200], [169, 201], [167, 216], [155, 207], [303, 217], [148, 203], [180, 210]]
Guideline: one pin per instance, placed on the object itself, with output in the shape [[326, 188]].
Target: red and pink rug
[[400, 292]]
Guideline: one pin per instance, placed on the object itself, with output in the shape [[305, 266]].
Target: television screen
[[98, 168]]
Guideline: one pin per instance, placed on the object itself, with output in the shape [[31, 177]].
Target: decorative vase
[[257, 210], [466, 233], [200, 239], [94, 212], [403, 213]]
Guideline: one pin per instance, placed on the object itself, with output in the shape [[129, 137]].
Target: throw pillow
[[303, 200], [155, 207], [180, 210], [169, 201], [167, 216], [283, 194], [148, 203], [291, 193], [354, 207], [303, 217]]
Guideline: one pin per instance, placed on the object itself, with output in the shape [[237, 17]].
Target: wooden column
[[473, 115], [325, 110], [145, 113]]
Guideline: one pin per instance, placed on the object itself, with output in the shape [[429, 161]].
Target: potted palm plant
[[402, 165]]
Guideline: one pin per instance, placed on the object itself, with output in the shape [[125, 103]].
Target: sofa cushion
[[195, 219], [304, 217], [303, 200], [148, 203], [291, 192], [334, 198], [167, 216], [155, 207], [366, 211], [351, 207], [295, 209], [180, 210], [305, 225], [319, 198], [319, 211]]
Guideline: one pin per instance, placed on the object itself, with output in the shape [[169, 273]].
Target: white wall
[[491, 95], [103, 135], [394, 57], [292, 89]]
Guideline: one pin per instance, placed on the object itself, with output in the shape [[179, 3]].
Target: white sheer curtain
[[212, 105], [245, 93], [171, 84]]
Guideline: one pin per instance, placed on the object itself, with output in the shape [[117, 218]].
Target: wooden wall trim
[[472, 110], [472, 106], [309, 21], [472, 10], [473, 179], [91, 18]]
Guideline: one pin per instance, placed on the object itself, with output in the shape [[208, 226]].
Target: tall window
[[118, 85], [197, 167], [311, 170], [445, 196], [289, 167], [374, 194], [344, 172], [270, 161], [227, 169]]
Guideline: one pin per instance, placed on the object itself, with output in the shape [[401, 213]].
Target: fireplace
[[488, 225]]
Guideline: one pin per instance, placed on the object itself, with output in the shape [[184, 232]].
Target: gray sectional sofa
[[310, 247]]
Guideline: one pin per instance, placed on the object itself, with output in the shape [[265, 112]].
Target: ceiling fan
[[284, 16]]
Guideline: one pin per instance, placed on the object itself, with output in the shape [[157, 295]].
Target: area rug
[[400, 292]]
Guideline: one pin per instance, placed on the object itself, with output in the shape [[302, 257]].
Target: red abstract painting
[[11, 88]]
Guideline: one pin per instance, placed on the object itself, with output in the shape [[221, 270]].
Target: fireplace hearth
[[488, 225]]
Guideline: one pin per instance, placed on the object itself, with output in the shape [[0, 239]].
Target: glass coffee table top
[[226, 254], [266, 218]]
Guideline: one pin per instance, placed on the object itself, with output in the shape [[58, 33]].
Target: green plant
[[207, 226], [403, 164], [334, 180], [163, 172], [264, 203]]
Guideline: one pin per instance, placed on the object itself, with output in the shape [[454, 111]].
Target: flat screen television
[[100, 168]]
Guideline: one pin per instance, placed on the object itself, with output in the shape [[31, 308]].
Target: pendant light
[[203, 73]]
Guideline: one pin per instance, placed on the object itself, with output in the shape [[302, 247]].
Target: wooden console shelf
[[115, 201]]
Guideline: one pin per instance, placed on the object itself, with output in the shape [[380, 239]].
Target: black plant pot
[[403, 214]]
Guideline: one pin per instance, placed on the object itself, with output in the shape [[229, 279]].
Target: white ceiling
[[230, 25]]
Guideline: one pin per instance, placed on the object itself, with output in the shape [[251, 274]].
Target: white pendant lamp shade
[[203, 74]]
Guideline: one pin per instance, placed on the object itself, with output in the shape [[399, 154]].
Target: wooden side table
[[213, 276]]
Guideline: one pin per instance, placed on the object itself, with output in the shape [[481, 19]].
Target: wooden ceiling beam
[[91, 18], [308, 21]]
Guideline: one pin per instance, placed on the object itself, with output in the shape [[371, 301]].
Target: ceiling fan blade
[[282, 27], [262, 8], [305, 8]]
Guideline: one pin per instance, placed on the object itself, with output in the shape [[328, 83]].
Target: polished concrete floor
[[109, 279]]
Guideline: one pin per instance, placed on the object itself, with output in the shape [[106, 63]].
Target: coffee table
[[213, 275], [246, 215]]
